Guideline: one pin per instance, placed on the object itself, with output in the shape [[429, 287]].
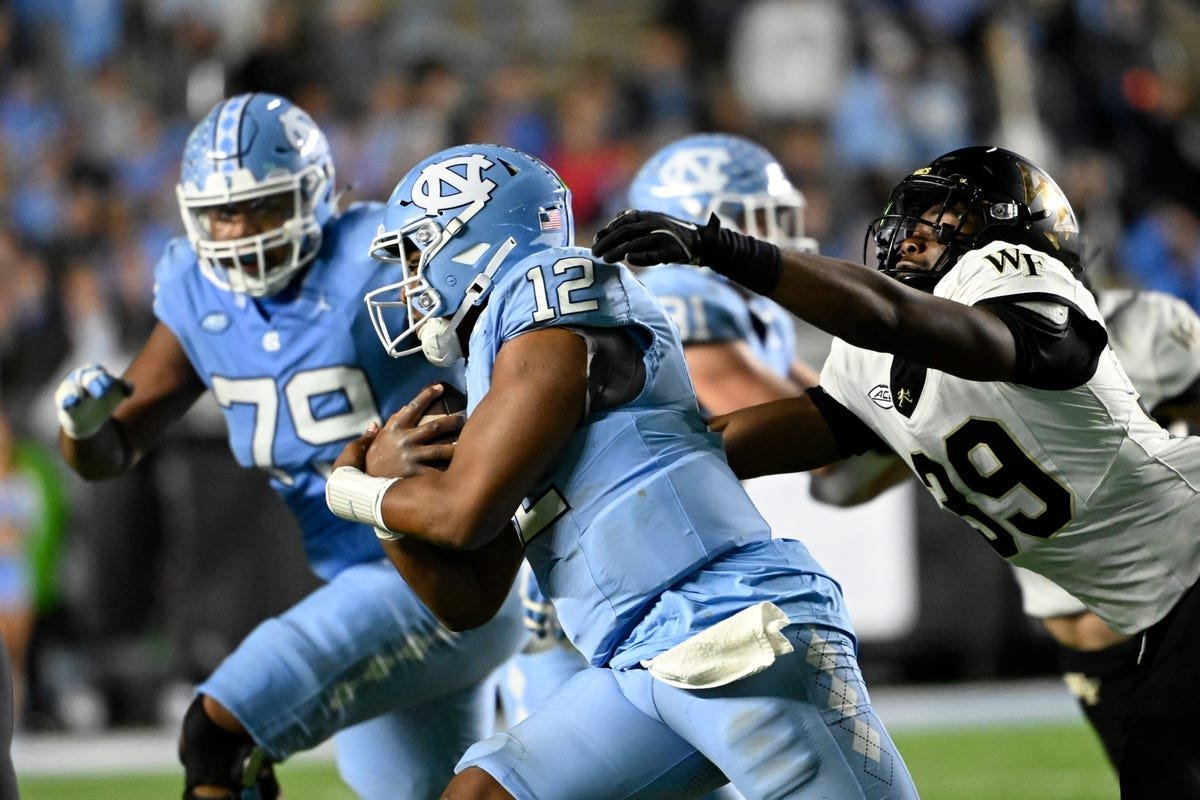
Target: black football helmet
[[998, 196]]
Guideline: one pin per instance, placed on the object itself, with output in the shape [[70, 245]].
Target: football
[[452, 401]]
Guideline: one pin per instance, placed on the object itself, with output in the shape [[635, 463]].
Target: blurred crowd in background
[[149, 581]]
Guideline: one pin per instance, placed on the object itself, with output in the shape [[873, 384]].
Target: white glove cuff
[[91, 414], [353, 495]]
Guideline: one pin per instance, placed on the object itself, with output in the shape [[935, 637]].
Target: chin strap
[[439, 341], [439, 336]]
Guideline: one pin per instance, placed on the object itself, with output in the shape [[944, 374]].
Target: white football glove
[[86, 398]]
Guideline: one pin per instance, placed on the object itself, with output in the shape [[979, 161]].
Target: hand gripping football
[[451, 401]]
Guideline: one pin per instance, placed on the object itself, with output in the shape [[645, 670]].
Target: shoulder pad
[[1002, 270]]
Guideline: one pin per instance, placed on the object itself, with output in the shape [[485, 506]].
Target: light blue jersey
[[640, 534], [643, 538], [361, 658], [707, 307], [293, 384]]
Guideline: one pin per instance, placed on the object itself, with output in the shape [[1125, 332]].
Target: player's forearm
[[868, 309], [776, 438], [105, 454], [463, 590], [420, 508], [856, 304]]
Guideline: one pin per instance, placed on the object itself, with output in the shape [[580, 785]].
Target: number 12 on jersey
[[566, 304]]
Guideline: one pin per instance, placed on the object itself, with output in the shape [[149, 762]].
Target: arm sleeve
[[851, 433], [1051, 354]]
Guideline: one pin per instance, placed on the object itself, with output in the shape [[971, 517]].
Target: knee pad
[[213, 756]]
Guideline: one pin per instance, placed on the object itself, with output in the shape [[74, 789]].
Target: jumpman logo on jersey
[[321, 307], [903, 396]]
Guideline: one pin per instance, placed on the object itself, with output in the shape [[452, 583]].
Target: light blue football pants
[[802, 728], [362, 660]]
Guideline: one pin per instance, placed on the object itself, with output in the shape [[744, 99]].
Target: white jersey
[[1156, 337], [1079, 485]]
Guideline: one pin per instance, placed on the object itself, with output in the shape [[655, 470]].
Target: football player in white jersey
[[1156, 337], [976, 354]]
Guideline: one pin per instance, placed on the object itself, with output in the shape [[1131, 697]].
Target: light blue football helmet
[[457, 220], [263, 151], [732, 177]]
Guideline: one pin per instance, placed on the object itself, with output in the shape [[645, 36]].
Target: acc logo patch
[[215, 322], [881, 396], [453, 183]]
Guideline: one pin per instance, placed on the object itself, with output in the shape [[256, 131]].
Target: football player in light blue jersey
[[740, 347], [261, 304], [705, 637]]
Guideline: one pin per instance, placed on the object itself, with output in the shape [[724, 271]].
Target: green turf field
[[1060, 762]]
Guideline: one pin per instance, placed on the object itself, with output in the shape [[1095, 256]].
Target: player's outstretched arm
[[728, 376], [108, 423], [779, 437], [858, 305]]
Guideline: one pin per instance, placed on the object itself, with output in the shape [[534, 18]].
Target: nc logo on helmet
[[301, 131], [696, 170], [453, 183]]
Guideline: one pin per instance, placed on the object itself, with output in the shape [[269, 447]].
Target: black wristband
[[751, 262]]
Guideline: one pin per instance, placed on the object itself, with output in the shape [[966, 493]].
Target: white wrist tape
[[355, 496], [388, 535]]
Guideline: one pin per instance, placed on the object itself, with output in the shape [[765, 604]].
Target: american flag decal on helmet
[[550, 219]]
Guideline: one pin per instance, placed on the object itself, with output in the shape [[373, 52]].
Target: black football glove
[[646, 238]]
